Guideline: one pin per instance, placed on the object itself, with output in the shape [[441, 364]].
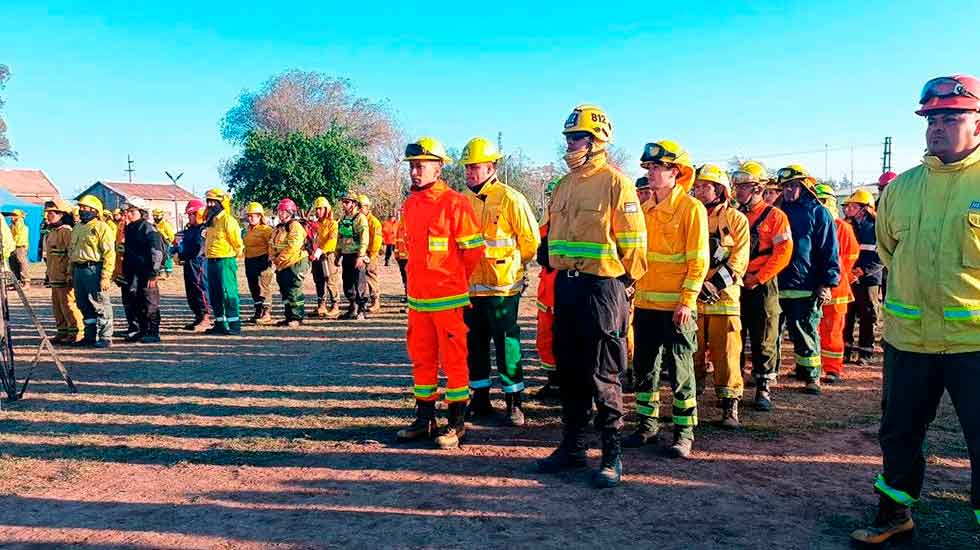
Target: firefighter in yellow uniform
[[373, 252], [93, 256], [511, 236], [67, 316], [258, 266], [596, 241], [167, 232], [719, 321], [326, 275], [665, 320], [18, 261]]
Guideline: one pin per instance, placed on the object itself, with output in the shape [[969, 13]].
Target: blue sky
[[94, 81]]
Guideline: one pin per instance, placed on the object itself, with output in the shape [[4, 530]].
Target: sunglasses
[[654, 152], [789, 173], [577, 136], [414, 150]]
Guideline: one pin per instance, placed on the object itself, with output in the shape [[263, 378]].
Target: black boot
[[550, 389], [763, 397], [515, 416], [570, 454], [683, 444], [646, 433], [351, 313], [480, 405], [892, 521], [424, 426], [89, 336], [611, 468], [451, 436], [729, 414]]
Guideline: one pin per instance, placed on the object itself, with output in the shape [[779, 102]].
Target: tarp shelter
[[34, 218]]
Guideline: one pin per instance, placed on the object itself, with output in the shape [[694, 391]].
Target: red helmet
[[885, 179], [959, 92], [194, 206], [288, 205]]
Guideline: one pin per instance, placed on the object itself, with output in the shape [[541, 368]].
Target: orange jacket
[[775, 242], [849, 249], [445, 243], [546, 282], [388, 231]]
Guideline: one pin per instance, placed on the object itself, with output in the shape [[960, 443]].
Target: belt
[[575, 274], [87, 264]]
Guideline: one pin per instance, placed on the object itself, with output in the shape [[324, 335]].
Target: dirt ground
[[284, 438]]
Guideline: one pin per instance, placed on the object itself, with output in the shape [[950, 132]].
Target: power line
[[795, 153]]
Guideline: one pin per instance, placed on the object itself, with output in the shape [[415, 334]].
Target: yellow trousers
[[67, 316], [720, 341]]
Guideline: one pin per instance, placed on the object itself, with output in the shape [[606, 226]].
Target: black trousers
[[591, 316], [864, 312], [762, 329], [389, 250], [355, 281], [143, 305], [196, 288], [913, 384], [403, 270]]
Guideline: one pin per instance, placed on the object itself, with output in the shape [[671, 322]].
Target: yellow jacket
[[326, 235], [223, 237], [732, 229], [112, 227], [374, 236], [20, 232], [6, 239], [511, 235], [167, 231], [56, 244], [286, 244], [94, 242], [257, 240], [596, 224], [928, 230], [677, 250]]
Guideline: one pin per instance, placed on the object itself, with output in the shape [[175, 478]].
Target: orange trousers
[[546, 338], [438, 339], [832, 338]]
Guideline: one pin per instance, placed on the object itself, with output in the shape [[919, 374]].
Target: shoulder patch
[[975, 205], [631, 207]]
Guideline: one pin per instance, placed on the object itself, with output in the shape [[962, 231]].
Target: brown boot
[[893, 520], [375, 305], [265, 318], [334, 311], [321, 309], [424, 426], [202, 325], [729, 414], [450, 436]]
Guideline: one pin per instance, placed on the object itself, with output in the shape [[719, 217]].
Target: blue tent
[[34, 218]]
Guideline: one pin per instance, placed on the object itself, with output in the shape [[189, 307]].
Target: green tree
[[5, 150], [297, 166]]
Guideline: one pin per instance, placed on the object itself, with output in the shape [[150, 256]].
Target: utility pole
[[886, 155], [129, 168], [852, 169]]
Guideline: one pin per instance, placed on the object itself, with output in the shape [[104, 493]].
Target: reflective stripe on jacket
[[444, 243], [510, 233], [734, 248], [223, 237], [596, 223], [868, 261], [775, 242], [928, 229], [92, 242], [56, 244], [677, 250], [848, 250], [816, 258], [286, 244]]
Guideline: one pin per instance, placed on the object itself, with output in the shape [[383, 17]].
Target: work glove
[[822, 295], [709, 293]]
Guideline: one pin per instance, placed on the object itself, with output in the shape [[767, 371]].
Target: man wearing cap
[[18, 261], [223, 244], [93, 255], [597, 243], [326, 276], [445, 245], [353, 236], [142, 264], [719, 325], [510, 232], [928, 230], [665, 320], [770, 250], [167, 233], [67, 316], [291, 262], [373, 253], [867, 278], [805, 285]]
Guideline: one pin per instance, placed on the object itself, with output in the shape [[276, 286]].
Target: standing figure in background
[[18, 261], [326, 276], [67, 316], [191, 254], [167, 232]]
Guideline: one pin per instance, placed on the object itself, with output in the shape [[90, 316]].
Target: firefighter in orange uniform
[[546, 315], [445, 243]]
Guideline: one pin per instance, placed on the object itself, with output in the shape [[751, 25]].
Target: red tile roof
[[150, 191], [30, 185]]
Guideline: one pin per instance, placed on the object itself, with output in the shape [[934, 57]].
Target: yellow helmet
[[321, 202], [590, 119], [215, 194], [479, 150], [255, 208], [18, 213], [427, 148], [353, 197], [157, 212], [670, 152], [796, 172], [861, 196], [750, 171], [59, 205], [363, 200], [91, 202], [714, 174]]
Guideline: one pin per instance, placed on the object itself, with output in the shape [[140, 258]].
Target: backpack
[[309, 243]]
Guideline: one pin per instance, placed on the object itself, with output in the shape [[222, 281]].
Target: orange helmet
[[958, 92]]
